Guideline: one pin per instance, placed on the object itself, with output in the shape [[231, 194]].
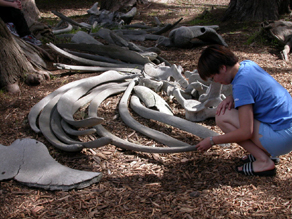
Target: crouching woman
[[258, 114]]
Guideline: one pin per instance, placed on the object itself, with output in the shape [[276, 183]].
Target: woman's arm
[[242, 133], [15, 4]]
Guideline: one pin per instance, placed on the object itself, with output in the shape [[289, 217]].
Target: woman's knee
[[229, 117]]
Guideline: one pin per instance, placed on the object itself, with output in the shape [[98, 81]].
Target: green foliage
[[263, 37]]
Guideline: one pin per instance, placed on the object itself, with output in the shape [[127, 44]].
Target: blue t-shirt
[[272, 103]]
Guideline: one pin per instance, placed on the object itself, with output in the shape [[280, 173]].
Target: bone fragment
[[165, 73], [195, 110], [152, 84], [152, 99]]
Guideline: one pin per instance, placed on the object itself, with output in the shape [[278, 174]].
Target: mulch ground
[[144, 185]]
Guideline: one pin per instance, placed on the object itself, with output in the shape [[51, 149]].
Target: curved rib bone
[[101, 131], [70, 97], [59, 132], [177, 122], [64, 30], [75, 132], [37, 108], [45, 127], [92, 109], [127, 118]]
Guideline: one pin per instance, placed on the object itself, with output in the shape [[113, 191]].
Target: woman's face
[[224, 76]]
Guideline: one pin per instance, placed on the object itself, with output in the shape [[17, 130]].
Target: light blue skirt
[[276, 142]]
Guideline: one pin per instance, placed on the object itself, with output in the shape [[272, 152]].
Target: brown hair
[[212, 58]]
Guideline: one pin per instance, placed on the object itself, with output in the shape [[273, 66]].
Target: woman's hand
[[16, 4], [204, 145], [228, 103]]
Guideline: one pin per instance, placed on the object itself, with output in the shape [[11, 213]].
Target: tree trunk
[[13, 62], [256, 10], [20, 60]]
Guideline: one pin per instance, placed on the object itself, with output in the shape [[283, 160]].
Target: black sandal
[[247, 169], [251, 158]]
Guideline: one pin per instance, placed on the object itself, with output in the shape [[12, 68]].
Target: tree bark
[[13, 64], [256, 10]]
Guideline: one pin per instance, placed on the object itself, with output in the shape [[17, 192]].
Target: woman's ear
[[222, 68]]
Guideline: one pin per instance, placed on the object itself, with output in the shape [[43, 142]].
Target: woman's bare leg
[[229, 122]]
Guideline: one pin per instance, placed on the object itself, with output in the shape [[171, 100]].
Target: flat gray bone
[[45, 127], [165, 73], [82, 37], [42, 171], [128, 120], [195, 110], [152, 99], [101, 131], [175, 121], [96, 68], [71, 96]]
